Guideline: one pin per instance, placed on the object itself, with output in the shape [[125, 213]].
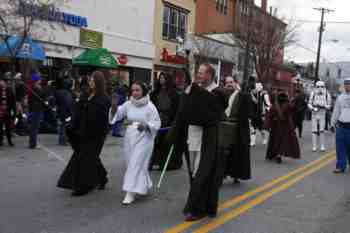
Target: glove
[[142, 127], [315, 109]]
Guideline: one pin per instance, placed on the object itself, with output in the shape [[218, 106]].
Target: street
[[295, 196]]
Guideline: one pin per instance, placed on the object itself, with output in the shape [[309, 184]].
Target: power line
[[327, 22], [329, 62]]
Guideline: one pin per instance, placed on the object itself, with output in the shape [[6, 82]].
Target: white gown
[[138, 146]]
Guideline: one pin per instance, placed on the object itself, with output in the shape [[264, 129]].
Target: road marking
[[230, 203], [52, 153], [260, 199]]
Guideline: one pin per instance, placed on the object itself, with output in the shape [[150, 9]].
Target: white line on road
[[52, 153]]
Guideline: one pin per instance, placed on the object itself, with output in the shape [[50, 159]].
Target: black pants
[[7, 124]]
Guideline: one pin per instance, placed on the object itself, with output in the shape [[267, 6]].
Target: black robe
[[87, 135], [204, 109], [238, 156], [161, 145]]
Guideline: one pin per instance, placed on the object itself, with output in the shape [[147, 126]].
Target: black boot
[[9, 141]]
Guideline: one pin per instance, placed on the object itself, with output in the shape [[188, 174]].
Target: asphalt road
[[310, 199]]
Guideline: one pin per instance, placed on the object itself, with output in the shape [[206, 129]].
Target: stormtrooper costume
[[262, 105], [320, 100]]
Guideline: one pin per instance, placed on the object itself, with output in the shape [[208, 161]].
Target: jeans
[[62, 133], [342, 147], [34, 123]]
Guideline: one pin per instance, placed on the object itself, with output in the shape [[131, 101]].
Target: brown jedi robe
[[205, 109], [283, 140], [238, 156]]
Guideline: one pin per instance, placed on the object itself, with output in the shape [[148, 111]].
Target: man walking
[[200, 112], [341, 120], [37, 104]]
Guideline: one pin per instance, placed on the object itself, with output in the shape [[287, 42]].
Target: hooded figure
[[283, 140]]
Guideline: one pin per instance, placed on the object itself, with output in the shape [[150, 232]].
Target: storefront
[[75, 27]]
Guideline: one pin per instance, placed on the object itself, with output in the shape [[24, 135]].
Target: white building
[[123, 27]]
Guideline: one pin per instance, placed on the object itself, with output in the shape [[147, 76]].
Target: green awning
[[96, 57]]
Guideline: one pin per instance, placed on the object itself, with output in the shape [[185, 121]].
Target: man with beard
[[238, 111], [200, 111]]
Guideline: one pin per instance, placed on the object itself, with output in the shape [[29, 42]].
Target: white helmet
[[320, 84], [259, 86]]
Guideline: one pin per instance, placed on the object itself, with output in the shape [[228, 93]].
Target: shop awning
[[96, 57], [29, 49]]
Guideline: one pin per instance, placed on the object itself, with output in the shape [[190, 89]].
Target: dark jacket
[[64, 103], [94, 118], [10, 104], [37, 100]]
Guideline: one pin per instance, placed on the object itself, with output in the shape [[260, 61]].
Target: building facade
[[174, 20], [123, 27], [215, 17]]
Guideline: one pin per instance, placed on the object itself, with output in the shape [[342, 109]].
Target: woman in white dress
[[144, 123]]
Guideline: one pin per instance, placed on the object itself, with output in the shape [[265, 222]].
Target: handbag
[[228, 133]]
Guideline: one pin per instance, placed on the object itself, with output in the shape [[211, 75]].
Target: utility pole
[[321, 30], [248, 42]]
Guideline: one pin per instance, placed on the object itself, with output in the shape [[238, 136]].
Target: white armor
[[262, 99], [319, 101]]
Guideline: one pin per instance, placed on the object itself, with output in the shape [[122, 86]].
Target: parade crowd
[[208, 126]]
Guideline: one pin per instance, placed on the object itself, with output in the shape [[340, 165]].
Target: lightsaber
[[165, 166]]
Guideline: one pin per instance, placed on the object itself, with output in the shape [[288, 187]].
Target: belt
[[345, 125], [319, 107]]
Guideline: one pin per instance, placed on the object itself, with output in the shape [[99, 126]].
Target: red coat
[[283, 140]]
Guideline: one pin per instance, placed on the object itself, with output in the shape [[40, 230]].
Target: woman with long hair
[[87, 135], [166, 100], [144, 123]]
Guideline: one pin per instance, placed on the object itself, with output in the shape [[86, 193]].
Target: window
[[221, 6], [174, 23]]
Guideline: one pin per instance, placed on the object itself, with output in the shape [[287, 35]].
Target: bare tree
[[19, 17], [266, 36]]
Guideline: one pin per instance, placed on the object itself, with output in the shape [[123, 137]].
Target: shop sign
[[51, 13], [105, 60], [176, 59], [122, 59], [91, 39]]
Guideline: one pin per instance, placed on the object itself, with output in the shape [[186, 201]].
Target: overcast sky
[[308, 32]]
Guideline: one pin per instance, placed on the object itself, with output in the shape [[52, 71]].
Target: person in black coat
[[238, 164], [203, 105], [300, 106], [166, 100], [7, 111], [64, 103], [87, 135], [37, 103]]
